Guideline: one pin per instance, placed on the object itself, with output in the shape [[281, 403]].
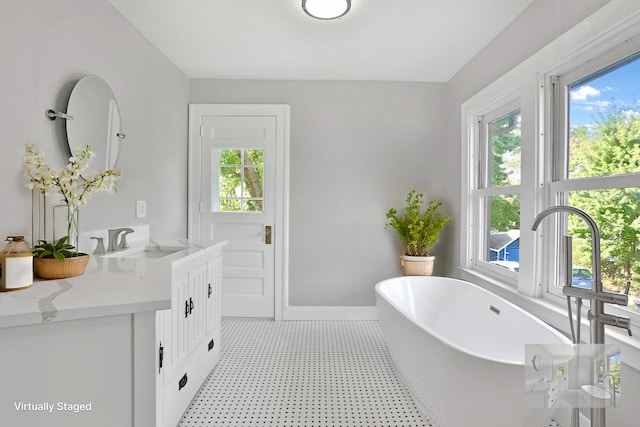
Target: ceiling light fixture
[[326, 9]]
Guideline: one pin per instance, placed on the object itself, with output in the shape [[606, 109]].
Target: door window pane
[[240, 180]]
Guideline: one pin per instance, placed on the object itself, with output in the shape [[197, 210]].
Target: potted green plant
[[58, 260], [419, 232]]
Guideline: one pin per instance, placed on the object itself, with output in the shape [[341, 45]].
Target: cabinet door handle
[[210, 291], [211, 344], [186, 309], [182, 382], [190, 305], [160, 357]]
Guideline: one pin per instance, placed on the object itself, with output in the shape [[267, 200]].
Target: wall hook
[[52, 115]]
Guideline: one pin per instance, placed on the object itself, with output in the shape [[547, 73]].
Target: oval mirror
[[95, 121]]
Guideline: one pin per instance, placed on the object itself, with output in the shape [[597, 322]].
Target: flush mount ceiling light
[[326, 9]]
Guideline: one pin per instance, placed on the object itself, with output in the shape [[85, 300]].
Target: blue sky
[[621, 86]]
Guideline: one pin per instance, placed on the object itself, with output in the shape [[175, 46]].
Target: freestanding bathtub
[[461, 350]]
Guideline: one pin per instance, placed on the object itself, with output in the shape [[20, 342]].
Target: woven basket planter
[[417, 265], [51, 268]]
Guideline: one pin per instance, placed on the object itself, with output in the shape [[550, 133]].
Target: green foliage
[[419, 233], [505, 170], [611, 146], [60, 250], [505, 212], [505, 157], [241, 178]]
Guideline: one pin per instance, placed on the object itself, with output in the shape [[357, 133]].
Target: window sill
[[555, 314]]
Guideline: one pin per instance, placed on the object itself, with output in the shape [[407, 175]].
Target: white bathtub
[[461, 350]]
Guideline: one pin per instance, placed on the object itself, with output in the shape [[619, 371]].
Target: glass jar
[[16, 261]]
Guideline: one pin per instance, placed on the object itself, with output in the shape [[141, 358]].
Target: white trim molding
[[300, 312], [281, 225]]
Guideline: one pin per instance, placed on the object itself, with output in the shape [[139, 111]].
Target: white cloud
[[583, 93], [601, 104]]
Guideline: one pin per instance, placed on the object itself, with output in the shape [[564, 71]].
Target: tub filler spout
[[597, 294]]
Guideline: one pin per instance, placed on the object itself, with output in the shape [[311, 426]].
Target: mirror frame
[[95, 121]]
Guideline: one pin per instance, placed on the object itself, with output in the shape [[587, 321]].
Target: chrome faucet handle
[[613, 320], [123, 240], [100, 246], [113, 239]]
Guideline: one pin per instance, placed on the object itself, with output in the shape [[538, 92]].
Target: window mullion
[[596, 183]]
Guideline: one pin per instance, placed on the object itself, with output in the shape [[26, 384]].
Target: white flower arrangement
[[74, 188], [67, 182]]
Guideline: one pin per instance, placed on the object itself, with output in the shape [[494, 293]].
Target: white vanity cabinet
[[139, 320], [188, 335]]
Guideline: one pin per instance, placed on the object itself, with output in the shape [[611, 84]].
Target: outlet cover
[[141, 208]]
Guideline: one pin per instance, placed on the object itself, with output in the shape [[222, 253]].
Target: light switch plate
[[141, 208]]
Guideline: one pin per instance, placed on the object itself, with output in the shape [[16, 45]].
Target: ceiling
[[395, 40]]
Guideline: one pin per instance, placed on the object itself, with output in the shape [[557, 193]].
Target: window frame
[[605, 30], [479, 189], [556, 183]]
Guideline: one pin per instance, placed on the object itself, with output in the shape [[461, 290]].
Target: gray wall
[[357, 149], [546, 19], [542, 22], [46, 47]]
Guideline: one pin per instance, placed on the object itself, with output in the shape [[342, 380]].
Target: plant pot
[[417, 265], [51, 268]]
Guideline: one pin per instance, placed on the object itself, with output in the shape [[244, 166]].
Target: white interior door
[[237, 157]]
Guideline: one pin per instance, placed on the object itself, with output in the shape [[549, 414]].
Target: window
[[579, 99], [240, 180], [608, 372], [596, 168], [496, 204]]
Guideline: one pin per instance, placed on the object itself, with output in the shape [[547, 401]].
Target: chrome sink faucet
[[113, 239]]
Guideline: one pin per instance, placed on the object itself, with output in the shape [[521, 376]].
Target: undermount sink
[[146, 252], [595, 391]]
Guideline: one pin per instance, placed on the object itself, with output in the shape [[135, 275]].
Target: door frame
[[282, 113]]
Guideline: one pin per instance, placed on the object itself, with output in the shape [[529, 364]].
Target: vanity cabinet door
[[179, 348], [197, 306], [213, 293], [163, 342]]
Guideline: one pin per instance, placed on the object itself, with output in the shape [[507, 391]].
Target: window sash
[[559, 185], [481, 189]]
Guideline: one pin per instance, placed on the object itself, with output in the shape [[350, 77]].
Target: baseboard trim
[[330, 313]]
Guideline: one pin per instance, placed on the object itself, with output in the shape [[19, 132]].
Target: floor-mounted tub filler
[[461, 350]]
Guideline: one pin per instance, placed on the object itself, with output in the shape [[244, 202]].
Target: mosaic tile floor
[[303, 373]]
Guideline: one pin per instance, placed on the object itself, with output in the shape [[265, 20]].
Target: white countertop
[[109, 286]]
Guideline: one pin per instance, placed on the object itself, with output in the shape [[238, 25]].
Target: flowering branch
[[67, 182]]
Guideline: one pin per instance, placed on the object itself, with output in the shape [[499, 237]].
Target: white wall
[[357, 149], [46, 46]]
